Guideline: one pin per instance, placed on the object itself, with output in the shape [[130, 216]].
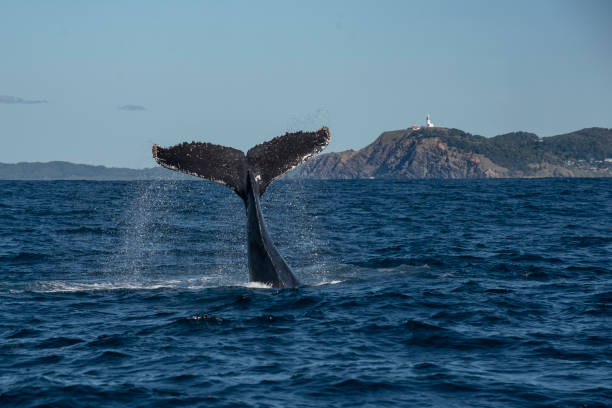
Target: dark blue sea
[[481, 293]]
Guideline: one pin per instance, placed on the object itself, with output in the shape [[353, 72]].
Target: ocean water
[[481, 293]]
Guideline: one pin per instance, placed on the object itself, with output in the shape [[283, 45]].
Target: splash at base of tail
[[249, 176]]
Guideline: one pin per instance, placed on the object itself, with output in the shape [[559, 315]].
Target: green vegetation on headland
[[424, 153], [521, 150]]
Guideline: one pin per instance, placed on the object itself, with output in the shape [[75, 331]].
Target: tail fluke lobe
[[273, 158], [221, 164], [266, 162]]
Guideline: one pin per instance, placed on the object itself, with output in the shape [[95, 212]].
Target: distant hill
[[451, 153], [60, 170], [414, 154]]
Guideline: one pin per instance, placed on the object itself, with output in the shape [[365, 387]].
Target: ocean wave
[[472, 299], [130, 285], [59, 286]]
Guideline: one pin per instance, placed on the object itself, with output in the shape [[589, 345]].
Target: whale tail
[[267, 161]]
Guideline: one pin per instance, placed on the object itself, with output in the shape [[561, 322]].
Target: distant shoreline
[[62, 170], [426, 153]]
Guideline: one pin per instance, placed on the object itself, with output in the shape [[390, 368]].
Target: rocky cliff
[[452, 153]]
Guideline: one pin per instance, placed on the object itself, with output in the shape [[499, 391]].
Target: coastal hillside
[[61, 170], [436, 153], [441, 153]]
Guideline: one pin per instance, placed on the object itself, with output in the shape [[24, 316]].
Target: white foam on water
[[59, 286], [80, 286], [71, 286], [256, 285], [331, 282]]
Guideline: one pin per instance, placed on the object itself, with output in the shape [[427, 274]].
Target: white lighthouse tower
[[429, 122]]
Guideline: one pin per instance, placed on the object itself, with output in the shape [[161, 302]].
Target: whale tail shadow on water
[[249, 176]]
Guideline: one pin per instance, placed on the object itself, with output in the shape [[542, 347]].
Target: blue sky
[[100, 82]]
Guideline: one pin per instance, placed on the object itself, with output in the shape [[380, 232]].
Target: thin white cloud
[[132, 108], [16, 100]]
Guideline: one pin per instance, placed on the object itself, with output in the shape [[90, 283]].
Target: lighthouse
[[429, 122]]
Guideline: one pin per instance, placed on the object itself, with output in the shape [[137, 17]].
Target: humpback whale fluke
[[249, 176]]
